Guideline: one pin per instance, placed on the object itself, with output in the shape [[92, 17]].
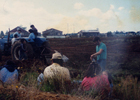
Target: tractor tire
[[0, 55], [15, 50], [30, 51], [48, 48]]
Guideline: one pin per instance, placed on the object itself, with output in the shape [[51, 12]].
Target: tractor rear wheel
[[15, 51], [47, 52], [0, 55]]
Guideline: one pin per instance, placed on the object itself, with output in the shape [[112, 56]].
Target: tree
[[109, 34], [6, 33], [2, 33]]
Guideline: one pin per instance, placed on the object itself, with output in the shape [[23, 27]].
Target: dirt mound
[[24, 93]]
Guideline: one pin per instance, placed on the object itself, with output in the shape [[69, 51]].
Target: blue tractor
[[40, 48]]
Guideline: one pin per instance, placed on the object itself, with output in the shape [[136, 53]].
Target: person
[[110, 81], [56, 73], [93, 80], [35, 31], [22, 50], [18, 33], [9, 73], [101, 53], [40, 78], [31, 36], [14, 39]]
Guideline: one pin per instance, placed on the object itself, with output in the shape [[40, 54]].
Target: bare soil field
[[122, 59], [121, 52]]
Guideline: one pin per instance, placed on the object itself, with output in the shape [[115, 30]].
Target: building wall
[[52, 32], [88, 34]]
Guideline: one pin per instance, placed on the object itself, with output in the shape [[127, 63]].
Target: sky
[[71, 16]]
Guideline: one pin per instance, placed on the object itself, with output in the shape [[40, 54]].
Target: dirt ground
[[78, 51]]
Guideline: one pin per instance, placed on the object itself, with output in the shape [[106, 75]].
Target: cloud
[[93, 12], [106, 19], [22, 13], [78, 5], [112, 6], [120, 8], [72, 24], [135, 14], [96, 12]]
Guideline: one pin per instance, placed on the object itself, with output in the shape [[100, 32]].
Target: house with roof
[[52, 32], [88, 33], [23, 33]]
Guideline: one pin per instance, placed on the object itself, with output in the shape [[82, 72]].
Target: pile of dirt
[[24, 93]]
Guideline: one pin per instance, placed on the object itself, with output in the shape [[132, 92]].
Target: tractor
[[40, 48]]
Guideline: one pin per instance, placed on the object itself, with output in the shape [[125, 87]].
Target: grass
[[125, 88]]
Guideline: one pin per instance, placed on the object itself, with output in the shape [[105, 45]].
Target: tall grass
[[125, 88]]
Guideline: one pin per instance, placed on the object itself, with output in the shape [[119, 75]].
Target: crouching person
[[9, 73], [22, 50], [96, 82], [57, 75]]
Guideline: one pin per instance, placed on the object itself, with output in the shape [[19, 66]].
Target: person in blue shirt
[[31, 36], [101, 53], [35, 31], [9, 73], [18, 33]]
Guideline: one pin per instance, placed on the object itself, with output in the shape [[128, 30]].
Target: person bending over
[[101, 53]]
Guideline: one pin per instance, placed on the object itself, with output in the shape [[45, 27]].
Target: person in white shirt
[[60, 76], [18, 33], [31, 36], [14, 39]]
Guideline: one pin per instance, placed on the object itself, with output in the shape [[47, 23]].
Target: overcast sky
[[71, 15]]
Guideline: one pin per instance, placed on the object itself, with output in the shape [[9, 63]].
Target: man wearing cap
[[101, 53], [18, 32], [56, 72]]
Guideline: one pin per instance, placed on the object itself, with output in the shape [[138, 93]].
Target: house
[[120, 34], [131, 33], [88, 33], [138, 33], [71, 35], [52, 32], [23, 33]]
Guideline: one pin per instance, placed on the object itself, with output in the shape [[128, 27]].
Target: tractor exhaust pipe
[[8, 35]]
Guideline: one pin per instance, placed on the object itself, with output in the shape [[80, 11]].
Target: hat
[[56, 56]]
